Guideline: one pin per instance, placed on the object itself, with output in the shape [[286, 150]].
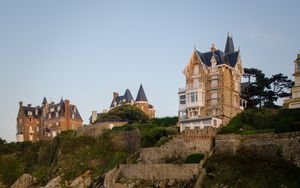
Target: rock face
[[25, 181], [54, 183], [83, 181]]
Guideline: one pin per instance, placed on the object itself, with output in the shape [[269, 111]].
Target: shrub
[[284, 125], [165, 121], [124, 112], [194, 158]]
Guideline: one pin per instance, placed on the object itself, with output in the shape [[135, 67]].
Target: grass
[[249, 170], [254, 121]]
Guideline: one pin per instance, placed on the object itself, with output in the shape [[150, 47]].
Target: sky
[[85, 50]]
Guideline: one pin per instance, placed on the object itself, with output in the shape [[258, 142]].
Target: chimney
[[115, 95], [21, 103], [29, 105], [67, 113], [94, 116]]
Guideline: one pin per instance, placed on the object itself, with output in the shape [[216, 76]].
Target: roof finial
[[213, 47], [227, 34]]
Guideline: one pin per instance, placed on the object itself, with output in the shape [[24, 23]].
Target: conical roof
[[229, 47], [127, 96], [141, 96], [44, 101]]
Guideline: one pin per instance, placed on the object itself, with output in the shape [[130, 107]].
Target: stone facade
[[45, 122], [294, 102], [266, 144], [188, 142], [159, 171], [97, 128], [213, 86]]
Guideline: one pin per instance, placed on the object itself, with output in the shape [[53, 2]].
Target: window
[[20, 120], [214, 102], [193, 96], [196, 83], [30, 119], [214, 111], [196, 70], [298, 67], [182, 99], [73, 116], [51, 109], [29, 113], [214, 94], [206, 122], [56, 114], [214, 84]]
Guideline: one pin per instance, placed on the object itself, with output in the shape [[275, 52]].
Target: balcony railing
[[189, 87]]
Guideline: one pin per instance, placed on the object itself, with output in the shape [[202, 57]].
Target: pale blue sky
[[85, 50]]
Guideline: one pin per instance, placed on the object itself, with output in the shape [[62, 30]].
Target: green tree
[[263, 91]]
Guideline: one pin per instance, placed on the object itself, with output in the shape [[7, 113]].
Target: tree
[[129, 113], [264, 91], [255, 94], [2, 141]]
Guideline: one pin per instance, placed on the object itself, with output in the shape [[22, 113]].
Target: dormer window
[[196, 70]]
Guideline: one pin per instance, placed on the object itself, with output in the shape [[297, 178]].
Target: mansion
[[212, 94], [140, 101], [46, 121]]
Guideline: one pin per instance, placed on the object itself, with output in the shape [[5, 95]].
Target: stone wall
[[188, 142], [98, 128], [159, 171], [267, 144]]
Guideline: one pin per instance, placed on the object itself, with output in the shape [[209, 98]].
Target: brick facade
[[45, 122]]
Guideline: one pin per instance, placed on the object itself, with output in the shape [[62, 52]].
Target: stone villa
[[294, 102], [45, 122], [211, 96], [140, 101]]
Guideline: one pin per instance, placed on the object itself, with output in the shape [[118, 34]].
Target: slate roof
[[127, 98], [141, 96], [228, 57], [229, 47], [59, 107]]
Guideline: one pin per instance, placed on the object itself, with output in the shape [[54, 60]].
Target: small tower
[[294, 102]]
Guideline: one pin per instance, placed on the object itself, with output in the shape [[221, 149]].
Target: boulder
[[83, 181], [25, 181], [54, 183]]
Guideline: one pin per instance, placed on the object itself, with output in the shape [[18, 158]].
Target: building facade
[[211, 96], [294, 102], [46, 121]]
